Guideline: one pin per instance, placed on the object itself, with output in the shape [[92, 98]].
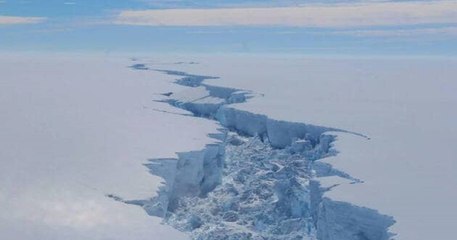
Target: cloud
[[322, 15], [403, 33], [12, 20]]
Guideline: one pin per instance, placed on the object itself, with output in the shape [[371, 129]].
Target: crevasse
[[259, 181]]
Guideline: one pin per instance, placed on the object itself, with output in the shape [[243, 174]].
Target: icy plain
[[77, 132], [75, 129]]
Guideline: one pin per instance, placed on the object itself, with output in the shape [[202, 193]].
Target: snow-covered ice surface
[[402, 178], [268, 148], [75, 129]]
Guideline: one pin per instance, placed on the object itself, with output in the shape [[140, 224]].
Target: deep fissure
[[258, 181]]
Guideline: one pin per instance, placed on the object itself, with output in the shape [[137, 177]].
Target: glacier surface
[[73, 141]]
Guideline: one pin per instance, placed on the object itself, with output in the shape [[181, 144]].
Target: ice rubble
[[260, 181]]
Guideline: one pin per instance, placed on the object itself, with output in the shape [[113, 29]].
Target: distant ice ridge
[[261, 180]]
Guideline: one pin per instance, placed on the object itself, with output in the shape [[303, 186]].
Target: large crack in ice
[[259, 181]]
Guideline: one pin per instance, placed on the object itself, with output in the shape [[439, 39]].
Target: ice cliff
[[260, 180]]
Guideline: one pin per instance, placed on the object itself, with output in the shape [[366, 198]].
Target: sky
[[310, 27]]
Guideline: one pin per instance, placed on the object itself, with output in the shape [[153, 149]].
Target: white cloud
[[10, 20], [402, 33], [323, 15]]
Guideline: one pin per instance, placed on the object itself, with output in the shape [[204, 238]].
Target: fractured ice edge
[[259, 181]]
